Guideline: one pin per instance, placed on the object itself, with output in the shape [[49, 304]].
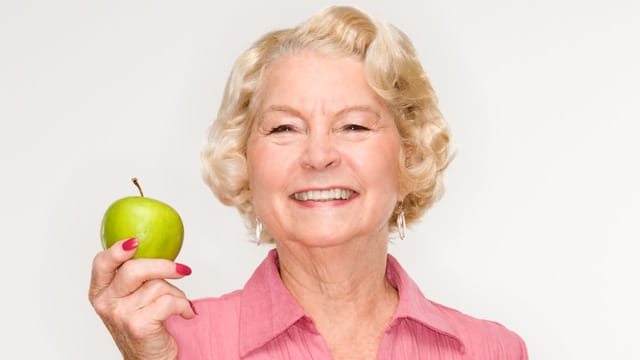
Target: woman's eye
[[355, 127], [281, 129]]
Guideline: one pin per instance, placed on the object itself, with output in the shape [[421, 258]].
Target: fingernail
[[130, 244], [183, 269], [192, 307]]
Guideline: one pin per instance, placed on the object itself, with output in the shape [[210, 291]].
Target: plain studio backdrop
[[538, 229]]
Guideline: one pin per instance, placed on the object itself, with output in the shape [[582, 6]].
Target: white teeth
[[323, 195]]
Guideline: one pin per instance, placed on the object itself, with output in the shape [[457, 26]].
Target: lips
[[324, 195]]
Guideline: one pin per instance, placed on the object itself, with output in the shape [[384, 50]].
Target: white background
[[538, 229]]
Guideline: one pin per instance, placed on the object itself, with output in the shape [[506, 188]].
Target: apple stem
[[135, 182]]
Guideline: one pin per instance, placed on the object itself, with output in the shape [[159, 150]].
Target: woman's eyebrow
[[281, 108], [342, 112], [363, 108]]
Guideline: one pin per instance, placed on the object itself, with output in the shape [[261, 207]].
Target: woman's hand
[[134, 300]]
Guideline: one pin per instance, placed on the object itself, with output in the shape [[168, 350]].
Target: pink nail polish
[[130, 244], [183, 269], [193, 307]]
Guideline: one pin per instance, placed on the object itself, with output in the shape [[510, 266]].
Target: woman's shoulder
[[225, 303], [216, 319], [484, 338], [481, 339], [223, 309]]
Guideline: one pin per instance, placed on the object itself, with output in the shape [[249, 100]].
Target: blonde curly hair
[[392, 70]]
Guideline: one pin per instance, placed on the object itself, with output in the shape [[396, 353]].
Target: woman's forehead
[[313, 82]]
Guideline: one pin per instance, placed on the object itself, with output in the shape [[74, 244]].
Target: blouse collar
[[267, 309]]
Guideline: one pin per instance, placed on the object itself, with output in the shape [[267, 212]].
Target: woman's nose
[[320, 152]]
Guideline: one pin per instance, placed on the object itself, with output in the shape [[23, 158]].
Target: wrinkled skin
[[133, 299]]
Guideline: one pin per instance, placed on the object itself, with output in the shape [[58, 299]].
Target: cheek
[[256, 167], [380, 163], [267, 166], [251, 162], [259, 180]]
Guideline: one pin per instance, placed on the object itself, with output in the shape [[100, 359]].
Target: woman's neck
[[341, 287]]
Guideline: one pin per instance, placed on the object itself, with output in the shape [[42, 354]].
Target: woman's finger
[[149, 321], [133, 274], [107, 262], [152, 290], [165, 306]]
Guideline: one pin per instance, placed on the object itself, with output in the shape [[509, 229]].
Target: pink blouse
[[263, 321]]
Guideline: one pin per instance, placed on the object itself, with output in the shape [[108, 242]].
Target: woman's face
[[323, 153]]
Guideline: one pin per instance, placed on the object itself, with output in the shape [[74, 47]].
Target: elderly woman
[[328, 139]]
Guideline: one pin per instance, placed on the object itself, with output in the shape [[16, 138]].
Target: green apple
[[156, 225]]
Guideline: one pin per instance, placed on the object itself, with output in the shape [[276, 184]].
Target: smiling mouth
[[323, 195]]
